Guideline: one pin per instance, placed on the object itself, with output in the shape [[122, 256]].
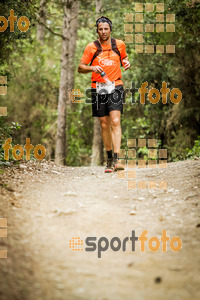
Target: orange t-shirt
[[107, 59]]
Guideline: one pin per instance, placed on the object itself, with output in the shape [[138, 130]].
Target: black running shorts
[[103, 103]]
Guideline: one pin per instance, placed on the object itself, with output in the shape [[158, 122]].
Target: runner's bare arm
[[126, 63], [83, 68]]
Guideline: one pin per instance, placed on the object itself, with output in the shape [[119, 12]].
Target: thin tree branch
[[53, 32]]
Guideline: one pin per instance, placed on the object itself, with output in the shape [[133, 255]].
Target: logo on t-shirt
[[106, 62]]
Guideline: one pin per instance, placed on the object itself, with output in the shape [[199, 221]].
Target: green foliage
[[176, 126], [33, 73], [8, 39], [195, 151], [6, 131]]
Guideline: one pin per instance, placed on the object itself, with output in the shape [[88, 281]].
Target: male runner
[[105, 55]]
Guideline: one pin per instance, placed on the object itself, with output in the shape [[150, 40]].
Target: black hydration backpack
[[99, 49]]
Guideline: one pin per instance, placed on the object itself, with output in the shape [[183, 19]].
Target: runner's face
[[104, 31]]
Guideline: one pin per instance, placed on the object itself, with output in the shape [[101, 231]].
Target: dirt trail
[[47, 205]]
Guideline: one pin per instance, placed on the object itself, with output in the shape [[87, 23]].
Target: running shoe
[[117, 165], [109, 167]]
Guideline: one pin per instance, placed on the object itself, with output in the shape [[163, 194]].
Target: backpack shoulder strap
[[115, 49], [99, 50]]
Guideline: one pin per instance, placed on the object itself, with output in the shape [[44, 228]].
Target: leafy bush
[[6, 131], [195, 151]]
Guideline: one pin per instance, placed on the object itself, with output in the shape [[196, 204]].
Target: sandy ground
[[47, 205]]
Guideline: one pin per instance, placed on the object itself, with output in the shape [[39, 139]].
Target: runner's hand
[[97, 69], [126, 64]]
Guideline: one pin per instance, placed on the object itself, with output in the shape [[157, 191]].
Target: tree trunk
[[72, 45], [67, 74], [97, 145], [42, 20], [99, 8]]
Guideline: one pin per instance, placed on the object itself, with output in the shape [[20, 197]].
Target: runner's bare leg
[[116, 129], [106, 132]]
